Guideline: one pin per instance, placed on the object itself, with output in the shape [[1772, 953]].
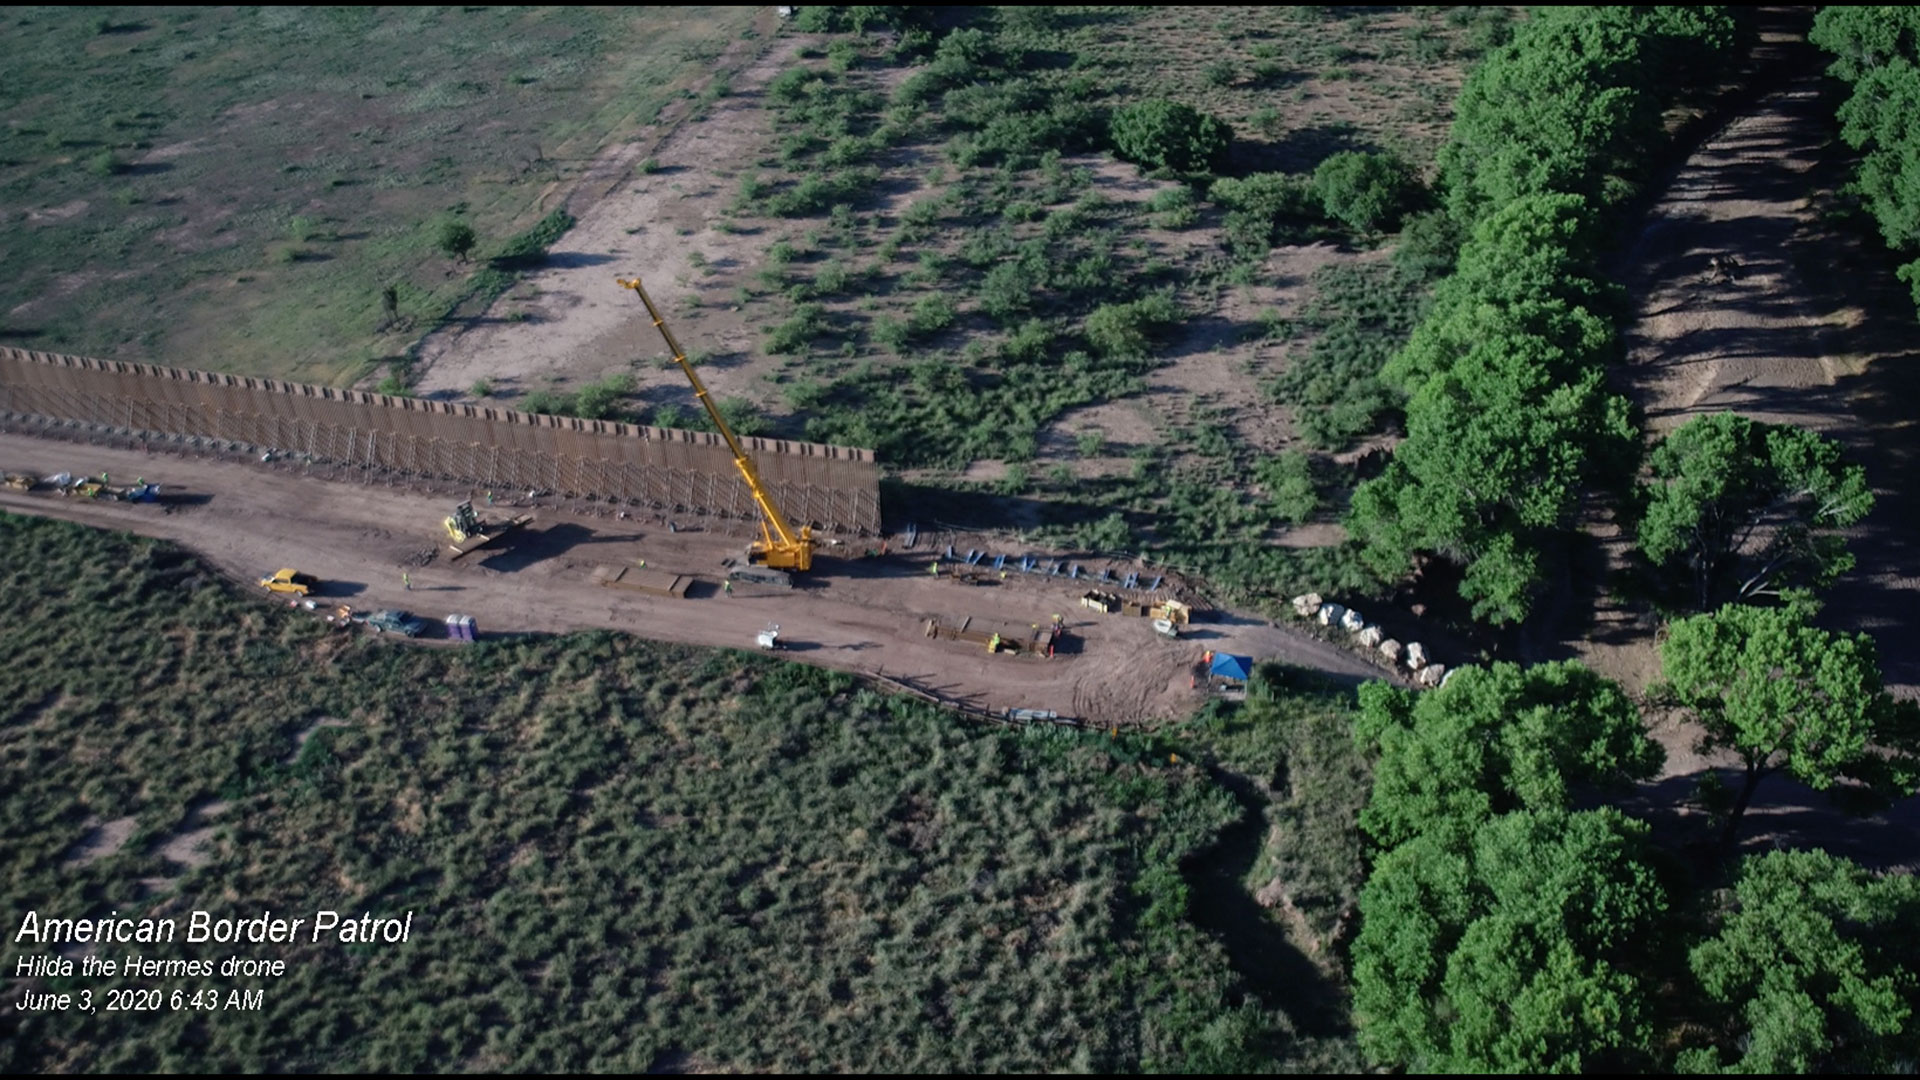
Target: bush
[[1162, 134], [1370, 192], [1288, 480], [601, 400], [1125, 330], [455, 239]]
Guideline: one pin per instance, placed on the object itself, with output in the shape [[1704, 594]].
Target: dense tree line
[[1506, 930], [1877, 52], [1507, 414]]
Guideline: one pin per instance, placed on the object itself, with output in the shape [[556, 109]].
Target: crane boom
[[779, 546]]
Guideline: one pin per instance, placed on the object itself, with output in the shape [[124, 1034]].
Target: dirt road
[[1808, 328], [855, 614]]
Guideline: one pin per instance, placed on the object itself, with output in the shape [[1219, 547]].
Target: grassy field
[[234, 188], [621, 855]]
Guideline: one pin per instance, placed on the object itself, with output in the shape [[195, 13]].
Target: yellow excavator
[[779, 546]]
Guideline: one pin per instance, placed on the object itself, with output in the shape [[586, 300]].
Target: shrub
[[455, 239], [1164, 134], [1125, 330], [601, 400], [1370, 192]]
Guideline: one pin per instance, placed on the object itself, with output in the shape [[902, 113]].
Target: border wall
[[834, 488]]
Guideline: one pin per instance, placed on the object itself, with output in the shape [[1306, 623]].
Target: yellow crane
[[779, 547]]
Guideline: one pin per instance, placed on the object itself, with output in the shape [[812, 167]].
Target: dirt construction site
[[373, 546]]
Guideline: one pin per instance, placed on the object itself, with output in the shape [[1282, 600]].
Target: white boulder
[[1306, 604], [1431, 675], [1351, 622], [1416, 656], [1371, 637], [1330, 614], [1390, 649]]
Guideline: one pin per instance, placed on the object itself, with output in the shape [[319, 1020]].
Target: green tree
[[1878, 51], [1506, 950], [1814, 963], [1493, 740], [455, 239], [1746, 509], [1783, 695], [1162, 134], [1369, 192]]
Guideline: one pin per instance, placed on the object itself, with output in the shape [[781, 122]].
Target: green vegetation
[[153, 171], [1746, 509], [1495, 740], [1507, 952], [618, 855], [1877, 50], [1784, 695], [1508, 416], [1371, 193], [1162, 134], [606, 399], [1811, 969], [455, 239], [1359, 316]]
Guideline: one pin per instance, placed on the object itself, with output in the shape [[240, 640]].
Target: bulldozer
[[467, 533]]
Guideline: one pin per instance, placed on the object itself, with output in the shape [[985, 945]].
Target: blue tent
[[1227, 666]]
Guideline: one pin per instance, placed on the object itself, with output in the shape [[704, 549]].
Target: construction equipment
[[1033, 641], [779, 547], [21, 481], [1166, 628], [1104, 602], [770, 637], [290, 581], [761, 575], [466, 533], [640, 579]]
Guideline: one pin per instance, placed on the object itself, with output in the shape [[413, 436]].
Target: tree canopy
[[1493, 740], [1502, 951], [1877, 50], [1782, 694], [1369, 192], [1814, 963], [1745, 509]]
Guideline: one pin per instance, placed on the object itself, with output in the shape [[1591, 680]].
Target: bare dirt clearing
[[856, 614], [576, 324]]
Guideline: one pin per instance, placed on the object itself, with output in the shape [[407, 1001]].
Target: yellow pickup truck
[[289, 581]]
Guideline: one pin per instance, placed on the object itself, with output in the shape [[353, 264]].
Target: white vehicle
[[770, 637]]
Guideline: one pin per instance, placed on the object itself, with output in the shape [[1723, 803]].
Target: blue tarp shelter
[[1227, 666]]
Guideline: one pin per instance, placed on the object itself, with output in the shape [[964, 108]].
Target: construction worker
[[1056, 620], [935, 568], [728, 586], [489, 498], [1003, 575], [993, 646], [643, 564], [406, 580]]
